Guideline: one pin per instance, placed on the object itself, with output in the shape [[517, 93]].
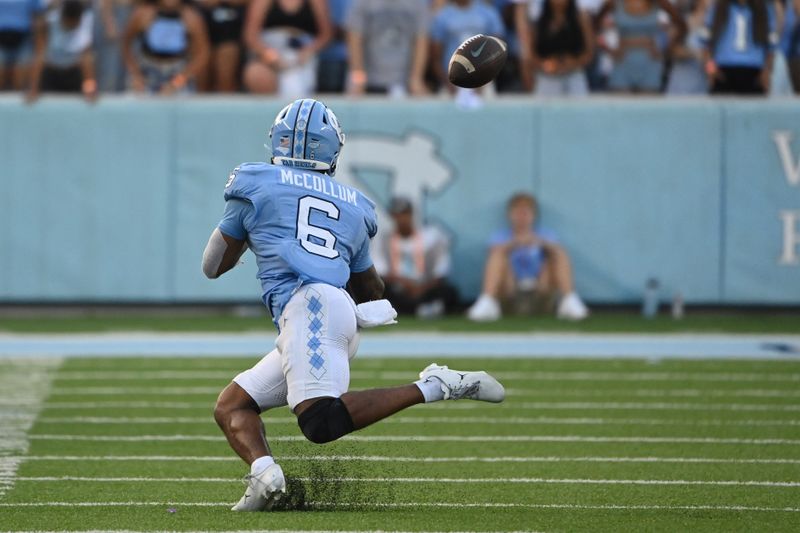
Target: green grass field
[[579, 445]]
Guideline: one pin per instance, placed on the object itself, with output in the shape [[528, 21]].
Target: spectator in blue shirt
[[526, 269], [16, 40], [740, 37], [457, 21]]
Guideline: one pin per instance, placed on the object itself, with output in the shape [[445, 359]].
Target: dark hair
[[72, 9], [572, 38], [720, 22], [523, 197]]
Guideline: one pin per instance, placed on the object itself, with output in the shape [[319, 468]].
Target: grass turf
[[577, 415], [601, 321]]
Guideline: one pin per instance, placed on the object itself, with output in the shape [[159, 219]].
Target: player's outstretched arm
[[366, 286], [222, 253]]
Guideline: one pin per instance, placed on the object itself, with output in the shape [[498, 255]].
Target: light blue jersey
[[17, 15], [453, 25], [736, 47], [302, 226]]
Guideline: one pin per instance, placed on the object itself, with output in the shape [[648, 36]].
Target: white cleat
[[465, 385], [572, 307], [485, 309], [263, 490]]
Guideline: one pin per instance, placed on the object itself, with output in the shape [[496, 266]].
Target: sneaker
[[485, 309], [572, 307], [263, 490], [465, 385]]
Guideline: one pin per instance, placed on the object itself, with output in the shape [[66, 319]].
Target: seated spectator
[[638, 57], [740, 38], [333, 59], [414, 264], [64, 60], [110, 21], [453, 24], [16, 41], [517, 73], [284, 37], [563, 47], [224, 21], [388, 46], [527, 269], [687, 75], [172, 51]]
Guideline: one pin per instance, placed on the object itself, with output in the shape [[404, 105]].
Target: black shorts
[[224, 23], [16, 47], [738, 80], [61, 80]]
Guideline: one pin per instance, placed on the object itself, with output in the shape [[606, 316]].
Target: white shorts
[[312, 359]]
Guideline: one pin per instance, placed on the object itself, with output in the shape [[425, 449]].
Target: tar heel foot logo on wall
[[412, 162], [790, 218]]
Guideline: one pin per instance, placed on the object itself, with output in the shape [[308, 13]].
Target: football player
[[310, 235]]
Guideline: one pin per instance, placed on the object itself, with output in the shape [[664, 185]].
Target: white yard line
[[516, 480], [400, 459], [657, 406], [26, 382], [511, 375], [427, 438], [511, 392], [509, 405], [542, 420], [478, 505]]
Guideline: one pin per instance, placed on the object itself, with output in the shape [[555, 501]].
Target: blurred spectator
[[414, 263], [563, 40], [173, 47], [332, 69], [687, 74], [517, 73], [284, 37], [110, 21], [64, 60], [16, 40], [388, 46], [224, 21], [790, 42], [455, 23], [638, 57], [526, 269], [740, 40]]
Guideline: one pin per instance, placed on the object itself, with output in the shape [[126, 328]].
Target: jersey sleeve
[[237, 219], [362, 260]]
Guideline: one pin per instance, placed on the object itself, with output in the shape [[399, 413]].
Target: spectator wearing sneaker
[[527, 270], [414, 263]]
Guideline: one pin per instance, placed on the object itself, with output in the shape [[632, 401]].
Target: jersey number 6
[[305, 230]]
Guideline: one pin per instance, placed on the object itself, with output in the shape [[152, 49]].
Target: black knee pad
[[326, 420]]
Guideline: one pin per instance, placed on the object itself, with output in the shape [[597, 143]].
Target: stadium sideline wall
[[114, 202]]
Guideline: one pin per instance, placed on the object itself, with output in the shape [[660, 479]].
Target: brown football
[[477, 61]]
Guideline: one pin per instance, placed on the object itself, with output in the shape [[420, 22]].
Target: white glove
[[375, 313]]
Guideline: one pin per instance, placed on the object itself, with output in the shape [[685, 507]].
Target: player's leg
[[239, 418], [238, 412]]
